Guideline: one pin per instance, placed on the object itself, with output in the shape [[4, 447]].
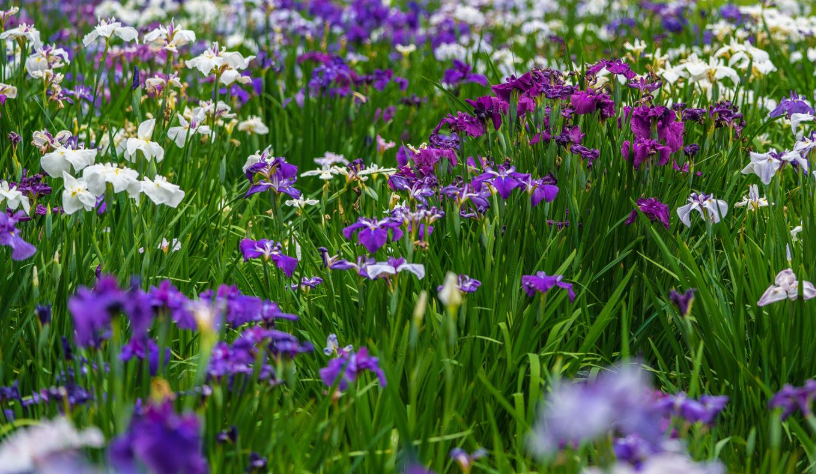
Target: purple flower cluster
[[255, 343], [161, 441], [347, 367], [617, 401]]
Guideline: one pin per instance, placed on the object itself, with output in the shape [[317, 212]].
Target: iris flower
[[711, 209], [786, 286], [542, 283], [268, 250]]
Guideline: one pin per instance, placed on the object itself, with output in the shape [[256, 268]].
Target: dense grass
[[473, 375]]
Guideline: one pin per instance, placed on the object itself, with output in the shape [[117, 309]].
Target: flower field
[[434, 236]]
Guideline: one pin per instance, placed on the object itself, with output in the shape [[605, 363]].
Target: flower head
[[542, 283], [268, 250]]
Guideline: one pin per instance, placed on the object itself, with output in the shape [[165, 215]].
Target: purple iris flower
[[653, 209], [466, 284], [161, 441], [268, 250], [661, 119], [474, 193], [93, 309], [542, 283], [273, 174], [138, 349], [644, 85], [489, 107], [589, 154], [463, 123], [682, 300], [335, 262], [462, 73], [312, 282], [644, 150], [504, 179], [587, 102], [617, 67], [619, 400], [731, 12], [10, 236], [632, 449], [795, 104], [520, 84], [168, 297], [373, 234], [465, 460], [792, 398], [348, 367], [704, 410], [542, 189]]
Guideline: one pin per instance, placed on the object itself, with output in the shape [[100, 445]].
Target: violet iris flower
[[705, 410], [93, 309], [466, 284], [792, 398], [663, 120], [373, 234], [273, 174], [542, 189], [334, 262], [348, 367], [168, 297], [653, 209], [644, 150], [504, 179], [462, 73], [795, 104], [163, 442], [268, 250], [682, 300], [489, 107], [587, 102], [619, 400], [542, 283], [138, 349], [312, 282], [10, 236], [465, 460]]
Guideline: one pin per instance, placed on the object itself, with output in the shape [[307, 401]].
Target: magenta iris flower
[[461, 73], [542, 283], [268, 250], [10, 236], [348, 367], [373, 234], [653, 209]]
